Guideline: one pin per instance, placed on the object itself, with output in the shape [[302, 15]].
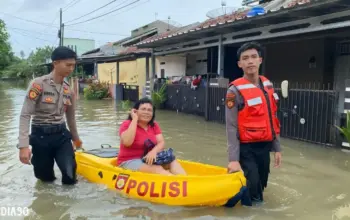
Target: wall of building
[[291, 61], [81, 45], [197, 62], [159, 25], [173, 65], [130, 72], [106, 72], [133, 73]]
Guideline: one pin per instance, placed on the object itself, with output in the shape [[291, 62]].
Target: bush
[[345, 130], [159, 96], [97, 90]]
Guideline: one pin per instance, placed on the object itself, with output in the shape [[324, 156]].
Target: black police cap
[[63, 53]]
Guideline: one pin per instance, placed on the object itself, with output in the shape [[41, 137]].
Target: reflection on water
[[312, 184]]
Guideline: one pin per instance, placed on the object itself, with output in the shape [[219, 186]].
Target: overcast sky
[[27, 36]]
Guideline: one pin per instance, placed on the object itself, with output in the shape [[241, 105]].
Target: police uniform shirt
[[47, 102], [231, 125]]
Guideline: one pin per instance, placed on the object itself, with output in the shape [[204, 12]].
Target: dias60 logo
[[14, 211]]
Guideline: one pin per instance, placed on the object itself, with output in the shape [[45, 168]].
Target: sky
[[34, 23]]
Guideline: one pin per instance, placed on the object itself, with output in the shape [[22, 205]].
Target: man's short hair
[[249, 46], [63, 53]]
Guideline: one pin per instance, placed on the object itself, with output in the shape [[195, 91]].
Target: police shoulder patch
[[35, 90], [230, 100], [37, 86], [33, 94]]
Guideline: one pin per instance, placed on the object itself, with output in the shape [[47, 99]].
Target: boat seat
[[104, 152]]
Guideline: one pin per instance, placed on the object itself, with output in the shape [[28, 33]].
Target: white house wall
[[174, 65], [197, 63], [341, 73]]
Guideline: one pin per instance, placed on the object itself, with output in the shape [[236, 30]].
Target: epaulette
[[66, 82]]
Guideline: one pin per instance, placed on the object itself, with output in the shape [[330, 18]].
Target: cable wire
[[71, 5], [28, 35], [104, 14], [36, 22], [40, 33], [103, 6]]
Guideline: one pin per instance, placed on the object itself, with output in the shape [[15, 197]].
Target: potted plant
[[159, 97]]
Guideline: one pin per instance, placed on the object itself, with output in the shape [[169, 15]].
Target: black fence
[[216, 104], [130, 92], [309, 113], [184, 99]]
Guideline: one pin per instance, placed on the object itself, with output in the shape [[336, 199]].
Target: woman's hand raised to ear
[[133, 114]]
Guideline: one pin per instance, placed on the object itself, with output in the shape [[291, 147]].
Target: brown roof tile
[[210, 23], [135, 50]]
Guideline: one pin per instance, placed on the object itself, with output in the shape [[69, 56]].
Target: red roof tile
[[288, 4], [131, 50]]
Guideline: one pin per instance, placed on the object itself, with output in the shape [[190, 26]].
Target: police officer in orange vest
[[252, 126]]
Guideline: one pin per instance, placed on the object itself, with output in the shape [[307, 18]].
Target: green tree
[[22, 54], [40, 56], [6, 54], [32, 66]]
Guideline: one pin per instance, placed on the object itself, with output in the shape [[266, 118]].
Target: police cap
[[63, 53]]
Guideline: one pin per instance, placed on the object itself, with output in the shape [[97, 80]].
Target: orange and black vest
[[257, 121]]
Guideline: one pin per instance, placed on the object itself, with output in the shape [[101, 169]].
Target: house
[[120, 62], [79, 45], [305, 42]]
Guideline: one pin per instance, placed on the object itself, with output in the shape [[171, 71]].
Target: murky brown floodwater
[[312, 184]]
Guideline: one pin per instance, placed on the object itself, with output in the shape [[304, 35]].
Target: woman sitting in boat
[[142, 143]]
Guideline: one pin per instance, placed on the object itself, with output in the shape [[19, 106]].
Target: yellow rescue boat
[[205, 185]]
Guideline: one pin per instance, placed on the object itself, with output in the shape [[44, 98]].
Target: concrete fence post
[[147, 89], [345, 143]]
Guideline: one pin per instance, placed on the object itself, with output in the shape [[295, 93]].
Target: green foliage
[[32, 66], [346, 130], [19, 69], [97, 90], [79, 72], [126, 104], [40, 55], [159, 96], [6, 54]]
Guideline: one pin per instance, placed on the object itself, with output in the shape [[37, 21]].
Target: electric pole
[[61, 30]]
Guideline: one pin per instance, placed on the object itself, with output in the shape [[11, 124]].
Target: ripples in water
[[311, 185]]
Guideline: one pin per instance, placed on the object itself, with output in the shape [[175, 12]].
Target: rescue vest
[[257, 121]]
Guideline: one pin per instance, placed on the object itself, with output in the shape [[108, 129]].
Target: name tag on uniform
[[276, 96], [49, 93], [254, 101]]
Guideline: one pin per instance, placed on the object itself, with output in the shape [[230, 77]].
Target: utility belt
[[49, 129]]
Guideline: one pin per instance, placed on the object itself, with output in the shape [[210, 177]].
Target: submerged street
[[313, 183]]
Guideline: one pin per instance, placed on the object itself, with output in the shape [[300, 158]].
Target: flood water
[[313, 183]]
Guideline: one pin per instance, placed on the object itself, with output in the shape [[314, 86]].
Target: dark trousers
[[50, 147], [255, 162]]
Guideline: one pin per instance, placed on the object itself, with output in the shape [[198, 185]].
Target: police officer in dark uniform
[[48, 99], [252, 126]]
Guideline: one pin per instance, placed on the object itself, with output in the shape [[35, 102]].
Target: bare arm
[[70, 115], [128, 136], [160, 143], [28, 109], [231, 112]]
